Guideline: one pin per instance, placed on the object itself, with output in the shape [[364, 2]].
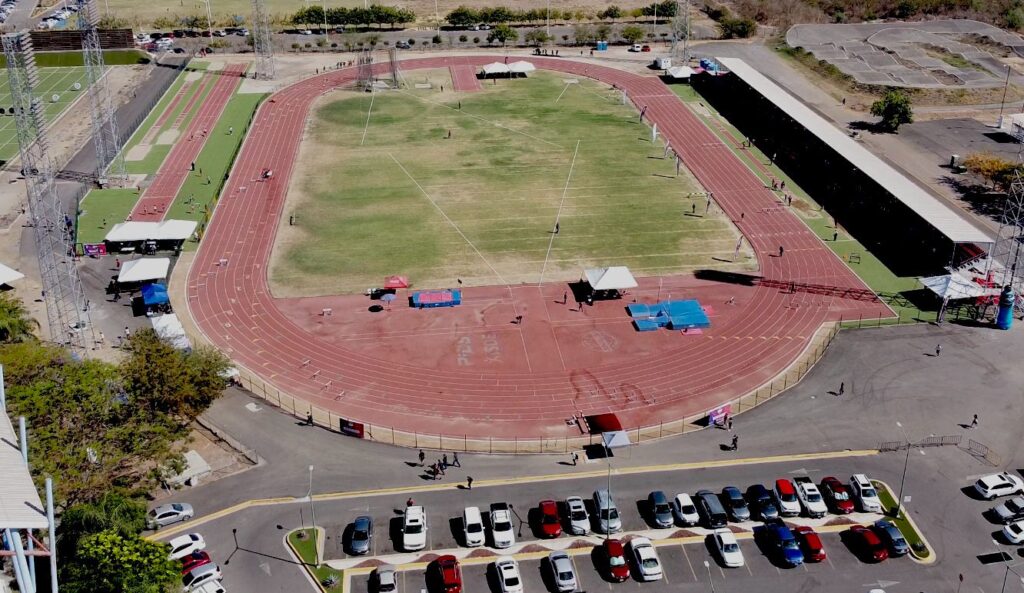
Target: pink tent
[[396, 282]]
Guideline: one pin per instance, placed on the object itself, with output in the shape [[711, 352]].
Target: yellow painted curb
[[486, 483], [303, 563], [932, 556]]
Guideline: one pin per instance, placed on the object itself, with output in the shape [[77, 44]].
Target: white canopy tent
[[612, 278], [168, 230], [168, 327], [8, 275], [616, 439], [956, 286], [521, 67], [680, 72], [495, 68], [141, 270]]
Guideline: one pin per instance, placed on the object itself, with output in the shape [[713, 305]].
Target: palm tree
[[15, 324]]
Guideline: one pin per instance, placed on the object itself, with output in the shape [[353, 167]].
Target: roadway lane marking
[[688, 563], [510, 481]]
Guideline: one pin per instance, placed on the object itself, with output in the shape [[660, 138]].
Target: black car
[[761, 502], [402, 45], [711, 510]]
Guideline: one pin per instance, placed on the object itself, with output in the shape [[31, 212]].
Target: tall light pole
[[312, 513], [906, 463], [707, 565]]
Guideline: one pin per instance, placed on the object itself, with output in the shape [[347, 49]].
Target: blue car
[[784, 542]]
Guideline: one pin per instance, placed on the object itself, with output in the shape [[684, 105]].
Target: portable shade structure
[[494, 69], [955, 286], [8, 275], [168, 230], [141, 270], [611, 278], [521, 67], [681, 72], [393, 282], [155, 294], [169, 328]]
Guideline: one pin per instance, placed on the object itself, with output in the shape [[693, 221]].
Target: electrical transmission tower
[[1005, 266], [104, 125], [681, 32], [66, 307], [261, 41]]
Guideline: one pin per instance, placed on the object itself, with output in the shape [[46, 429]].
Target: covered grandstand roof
[[944, 218], [20, 507]]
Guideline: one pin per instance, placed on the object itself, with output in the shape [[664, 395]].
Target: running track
[[159, 196], [372, 368]]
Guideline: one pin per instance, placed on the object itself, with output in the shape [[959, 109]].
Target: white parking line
[[688, 563]]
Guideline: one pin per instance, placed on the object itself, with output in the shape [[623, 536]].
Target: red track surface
[[159, 196], [468, 370], [464, 78], [155, 128]]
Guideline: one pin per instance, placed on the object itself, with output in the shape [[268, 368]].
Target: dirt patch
[[840, 521], [481, 553], [138, 152], [534, 548], [168, 137], [193, 76], [579, 544]]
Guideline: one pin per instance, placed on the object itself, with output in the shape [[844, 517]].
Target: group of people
[[437, 469]]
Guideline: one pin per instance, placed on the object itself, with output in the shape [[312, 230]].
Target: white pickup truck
[[810, 497]]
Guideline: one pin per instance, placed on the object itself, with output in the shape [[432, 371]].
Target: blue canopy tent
[[155, 294]]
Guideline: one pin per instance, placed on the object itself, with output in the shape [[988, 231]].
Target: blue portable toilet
[[1004, 319], [602, 46]]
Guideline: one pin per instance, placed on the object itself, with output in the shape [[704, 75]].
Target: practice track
[[410, 370]]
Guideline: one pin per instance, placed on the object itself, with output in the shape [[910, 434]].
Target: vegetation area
[[340, 16], [731, 26], [304, 545], [108, 434], [782, 13], [893, 109], [998, 172], [65, 59], [481, 205], [914, 539]]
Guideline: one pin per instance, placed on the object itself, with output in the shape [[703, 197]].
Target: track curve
[[401, 373]]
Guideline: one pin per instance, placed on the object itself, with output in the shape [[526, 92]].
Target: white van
[[473, 527], [636, 47]]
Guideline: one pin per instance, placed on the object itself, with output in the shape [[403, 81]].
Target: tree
[[736, 28], [611, 13], [894, 109], [583, 34], [15, 324], [632, 33], [537, 37], [108, 562], [113, 511], [502, 34], [603, 32], [462, 16], [997, 171]]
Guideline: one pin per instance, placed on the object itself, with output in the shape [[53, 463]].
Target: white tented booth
[[611, 278], [144, 270], [169, 328], [8, 275], [495, 69]]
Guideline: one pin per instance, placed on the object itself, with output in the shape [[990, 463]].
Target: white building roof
[[8, 275], [944, 218], [680, 72], [613, 278], [20, 507], [168, 230], [147, 268]]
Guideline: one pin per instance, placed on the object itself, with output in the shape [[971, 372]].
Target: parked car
[[810, 498], [305, 32], [783, 542], [201, 575], [219, 33], [508, 575], [685, 510], [563, 571], [402, 45], [550, 522], [836, 496], [728, 548], [648, 565], [1001, 484], [762, 502], [579, 521], [242, 32], [1010, 511], [362, 535], [661, 511], [384, 579], [194, 560], [614, 560], [414, 529], [1014, 532], [168, 514], [735, 504], [865, 494], [867, 544], [645, 48], [785, 495], [635, 47], [472, 527], [447, 574], [810, 544], [183, 545], [502, 533], [891, 537], [208, 587], [608, 520], [711, 510]]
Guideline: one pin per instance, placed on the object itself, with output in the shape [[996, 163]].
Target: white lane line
[[565, 190], [563, 92], [368, 112]]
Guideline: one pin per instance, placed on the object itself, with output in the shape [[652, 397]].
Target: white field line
[[368, 112], [565, 190]]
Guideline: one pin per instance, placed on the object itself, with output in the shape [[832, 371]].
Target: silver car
[[362, 535], [384, 579], [169, 513], [563, 571], [579, 521]]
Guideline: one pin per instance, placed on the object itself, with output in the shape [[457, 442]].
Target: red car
[[615, 560], [645, 48], [867, 543], [449, 575], [193, 560], [550, 523], [810, 543], [837, 496]]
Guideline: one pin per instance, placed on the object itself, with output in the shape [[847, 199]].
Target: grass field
[[390, 194], [52, 81]]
